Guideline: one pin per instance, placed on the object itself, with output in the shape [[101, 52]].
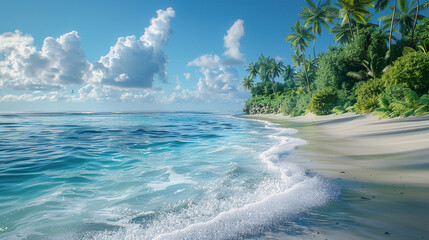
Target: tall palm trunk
[[391, 25], [314, 46], [350, 25], [415, 23], [306, 73], [314, 51]]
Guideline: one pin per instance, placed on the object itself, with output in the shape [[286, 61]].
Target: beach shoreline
[[381, 167], [377, 151]]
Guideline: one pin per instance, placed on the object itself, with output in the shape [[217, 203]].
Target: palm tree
[[248, 83], [415, 23], [373, 67], [296, 59], [423, 6], [381, 5], [299, 39], [262, 67], [311, 63], [356, 9], [342, 33], [405, 16], [275, 68], [252, 70], [288, 73], [386, 35], [316, 17]]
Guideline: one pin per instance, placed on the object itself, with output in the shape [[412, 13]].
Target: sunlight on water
[[148, 176]]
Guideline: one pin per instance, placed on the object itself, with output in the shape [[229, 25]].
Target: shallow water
[[149, 176]]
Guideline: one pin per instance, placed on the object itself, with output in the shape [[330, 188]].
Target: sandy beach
[[381, 167]]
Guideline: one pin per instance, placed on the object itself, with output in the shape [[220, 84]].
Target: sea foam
[[228, 210]]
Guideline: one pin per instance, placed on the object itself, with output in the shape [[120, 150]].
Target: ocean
[[150, 176]]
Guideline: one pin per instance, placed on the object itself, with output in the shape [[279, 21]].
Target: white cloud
[[158, 33], [132, 62], [206, 60], [220, 81], [222, 86], [126, 73], [232, 43], [232, 53], [60, 62], [100, 92], [92, 92], [35, 96], [187, 76]]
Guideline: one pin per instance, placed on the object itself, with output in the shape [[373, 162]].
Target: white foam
[[243, 221], [173, 179], [227, 212]]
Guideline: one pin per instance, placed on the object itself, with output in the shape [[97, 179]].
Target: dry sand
[[364, 147], [381, 166]]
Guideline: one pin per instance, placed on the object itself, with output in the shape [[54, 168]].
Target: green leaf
[[408, 113]]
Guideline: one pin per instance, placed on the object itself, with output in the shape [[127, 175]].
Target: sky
[[128, 55]]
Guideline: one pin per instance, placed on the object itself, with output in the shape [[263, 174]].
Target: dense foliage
[[323, 101], [374, 67], [367, 95], [411, 69], [402, 101]]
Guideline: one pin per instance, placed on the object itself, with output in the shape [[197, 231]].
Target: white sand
[[363, 147]]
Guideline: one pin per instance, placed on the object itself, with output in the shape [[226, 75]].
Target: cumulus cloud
[[232, 43], [60, 62], [100, 92], [133, 62], [232, 52], [126, 73], [220, 85], [92, 92], [206, 60], [35, 96], [220, 81], [187, 76]]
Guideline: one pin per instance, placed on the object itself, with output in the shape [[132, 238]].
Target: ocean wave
[[150, 176], [230, 209]]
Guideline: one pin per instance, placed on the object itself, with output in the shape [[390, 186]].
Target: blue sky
[[190, 56]]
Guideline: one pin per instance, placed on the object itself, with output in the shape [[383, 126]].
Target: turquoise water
[[149, 176]]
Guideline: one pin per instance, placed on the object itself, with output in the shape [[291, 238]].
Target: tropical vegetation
[[380, 67]]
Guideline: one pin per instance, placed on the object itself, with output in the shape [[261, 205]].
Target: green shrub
[[337, 62], [411, 69], [368, 94], [333, 68], [295, 105], [288, 106], [323, 101], [421, 34], [396, 92], [265, 104], [301, 104], [402, 101], [347, 98], [338, 110]]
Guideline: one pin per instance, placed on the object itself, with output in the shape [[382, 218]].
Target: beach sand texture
[[382, 167]]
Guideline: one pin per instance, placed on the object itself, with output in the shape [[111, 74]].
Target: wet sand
[[381, 168]]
